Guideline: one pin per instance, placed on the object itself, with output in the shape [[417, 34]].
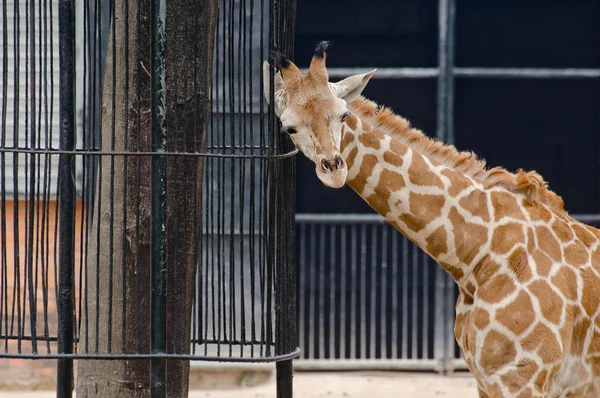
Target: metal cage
[[146, 197]]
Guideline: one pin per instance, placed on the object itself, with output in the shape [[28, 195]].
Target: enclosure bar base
[[66, 196], [285, 374]]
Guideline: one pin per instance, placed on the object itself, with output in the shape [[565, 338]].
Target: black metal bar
[[66, 194], [159, 356], [159, 246], [163, 154]]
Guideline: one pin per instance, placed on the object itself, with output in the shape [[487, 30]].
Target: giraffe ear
[[279, 89], [351, 87]]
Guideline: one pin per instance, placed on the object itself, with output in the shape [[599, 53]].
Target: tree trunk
[[116, 314]]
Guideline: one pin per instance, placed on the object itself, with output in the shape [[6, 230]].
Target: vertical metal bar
[[375, 267], [333, 343], [353, 330], [414, 309], [343, 294], [385, 301], [322, 290], [65, 298], [363, 292], [443, 314], [159, 257], [302, 288], [450, 286], [404, 342], [395, 345], [425, 295], [312, 307]]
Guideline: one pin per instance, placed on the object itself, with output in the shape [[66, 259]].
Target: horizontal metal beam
[[508, 73], [367, 364], [385, 73], [529, 73], [369, 218]]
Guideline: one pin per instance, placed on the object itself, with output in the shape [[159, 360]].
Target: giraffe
[[527, 314]]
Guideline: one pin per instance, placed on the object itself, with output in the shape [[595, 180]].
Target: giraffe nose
[[329, 165]]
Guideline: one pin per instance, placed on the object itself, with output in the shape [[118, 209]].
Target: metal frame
[[445, 74]]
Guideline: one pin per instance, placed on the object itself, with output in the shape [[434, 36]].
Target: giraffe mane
[[530, 183]]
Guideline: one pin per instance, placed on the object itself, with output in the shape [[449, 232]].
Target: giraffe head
[[313, 111]]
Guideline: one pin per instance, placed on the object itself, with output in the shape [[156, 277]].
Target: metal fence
[[146, 201], [368, 298]]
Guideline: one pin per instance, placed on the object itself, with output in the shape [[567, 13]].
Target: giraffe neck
[[439, 209]]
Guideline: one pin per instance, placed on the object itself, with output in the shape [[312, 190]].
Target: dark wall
[[548, 125]]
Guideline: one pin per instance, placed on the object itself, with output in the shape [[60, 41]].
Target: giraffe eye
[[344, 116], [288, 130]]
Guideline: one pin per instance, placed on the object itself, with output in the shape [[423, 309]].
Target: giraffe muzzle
[[332, 171]]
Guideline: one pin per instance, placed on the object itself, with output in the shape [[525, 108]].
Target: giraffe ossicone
[[528, 311]]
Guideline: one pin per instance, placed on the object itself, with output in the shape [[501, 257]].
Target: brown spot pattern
[[543, 264], [540, 380], [370, 140], [456, 273], [468, 237], [590, 298], [537, 212], [420, 174], [437, 242], [497, 351], [584, 235], [352, 121], [496, 289], [530, 240], [505, 205], [576, 254], [389, 181], [351, 158], [594, 344], [481, 318], [392, 159], [398, 148], [423, 210], [548, 243], [562, 230], [485, 270], [518, 262], [550, 302], [518, 315], [579, 332], [366, 169], [458, 182], [506, 236], [347, 138], [565, 280], [596, 259], [516, 379], [476, 204], [542, 340]]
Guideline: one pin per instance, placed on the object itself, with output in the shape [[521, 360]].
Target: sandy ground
[[339, 385]]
